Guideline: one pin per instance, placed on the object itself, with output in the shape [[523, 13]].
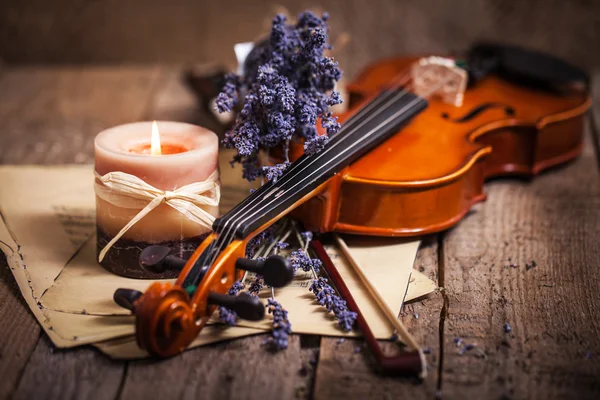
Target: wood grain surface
[[50, 115]]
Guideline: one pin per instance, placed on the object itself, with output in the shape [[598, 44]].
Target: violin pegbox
[[440, 77]]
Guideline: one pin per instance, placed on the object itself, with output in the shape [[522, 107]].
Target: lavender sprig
[[282, 327], [325, 294], [327, 297]]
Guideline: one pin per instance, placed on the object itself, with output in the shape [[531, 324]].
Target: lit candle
[[169, 169]]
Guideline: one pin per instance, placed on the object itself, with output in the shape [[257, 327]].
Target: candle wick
[[155, 148]]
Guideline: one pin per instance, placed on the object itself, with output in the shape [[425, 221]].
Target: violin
[[420, 138]]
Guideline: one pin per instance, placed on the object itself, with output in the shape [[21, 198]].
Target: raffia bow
[[128, 191]]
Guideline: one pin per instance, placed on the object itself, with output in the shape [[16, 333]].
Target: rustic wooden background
[[50, 115], [71, 68], [190, 31]]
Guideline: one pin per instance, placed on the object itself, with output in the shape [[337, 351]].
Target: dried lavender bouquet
[[287, 87]]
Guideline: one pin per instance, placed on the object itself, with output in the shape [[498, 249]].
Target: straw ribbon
[[128, 191]]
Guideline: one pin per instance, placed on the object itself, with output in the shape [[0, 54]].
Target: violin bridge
[[440, 77]]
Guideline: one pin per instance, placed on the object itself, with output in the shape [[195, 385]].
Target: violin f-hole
[[474, 112]]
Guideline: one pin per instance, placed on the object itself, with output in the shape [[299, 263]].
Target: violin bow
[[408, 363]]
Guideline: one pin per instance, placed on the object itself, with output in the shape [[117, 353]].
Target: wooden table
[[51, 115]]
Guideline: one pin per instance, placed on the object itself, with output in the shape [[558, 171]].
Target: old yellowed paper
[[47, 234]]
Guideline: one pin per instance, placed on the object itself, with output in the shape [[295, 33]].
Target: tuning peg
[[158, 259], [245, 305], [126, 298], [276, 270]]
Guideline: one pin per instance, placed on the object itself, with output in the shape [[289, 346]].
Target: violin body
[[413, 167], [428, 175]]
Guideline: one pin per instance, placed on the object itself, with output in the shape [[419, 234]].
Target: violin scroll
[[165, 321]]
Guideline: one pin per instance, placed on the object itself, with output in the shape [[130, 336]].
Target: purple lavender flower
[[257, 285], [281, 325], [226, 315], [335, 98], [330, 123], [325, 297], [228, 98], [288, 85], [307, 236], [273, 173], [316, 264], [265, 236], [315, 145], [317, 285], [250, 168], [281, 245], [300, 260], [466, 347], [346, 320]]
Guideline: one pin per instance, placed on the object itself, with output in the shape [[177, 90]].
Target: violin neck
[[365, 130]]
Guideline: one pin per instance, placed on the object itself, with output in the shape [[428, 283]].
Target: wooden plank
[[240, 369], [347, 370], [528, 257], [51, 115], [80, 373], [19, 331]]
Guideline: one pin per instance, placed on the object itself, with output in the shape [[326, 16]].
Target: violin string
[[399, 82], [232, 222], [352, 145]]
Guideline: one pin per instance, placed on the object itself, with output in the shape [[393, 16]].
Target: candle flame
[[155, 149]]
